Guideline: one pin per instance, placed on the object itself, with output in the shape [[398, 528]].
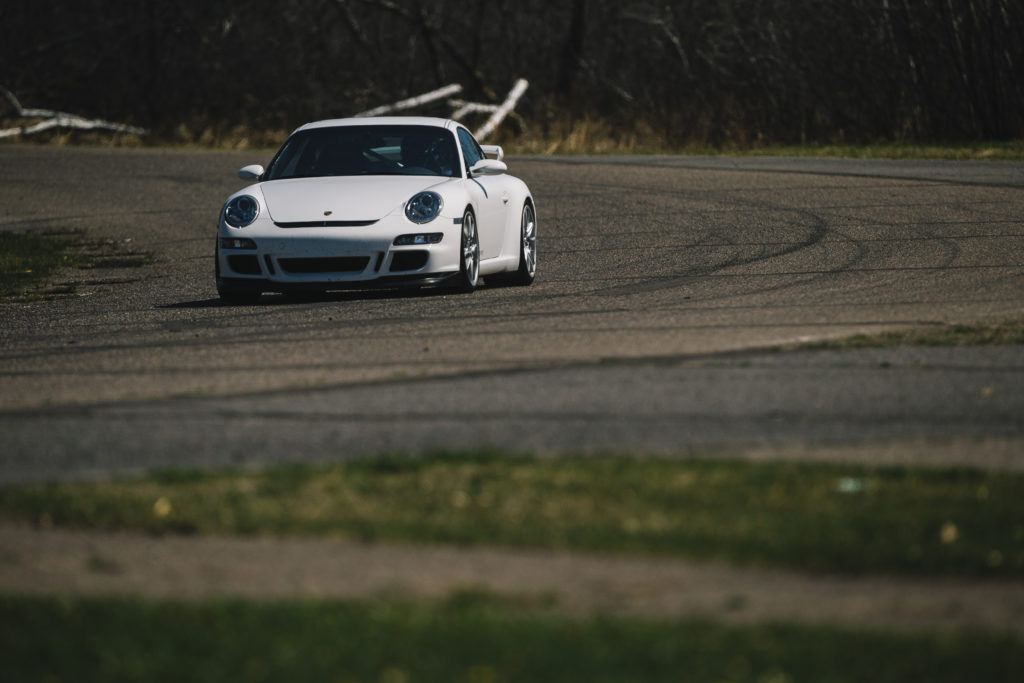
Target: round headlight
[[241, 211], [424, 207]]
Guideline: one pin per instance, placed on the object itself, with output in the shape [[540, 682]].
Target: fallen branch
[[55, 119], [462, 107], [414, 102], [510, 102]]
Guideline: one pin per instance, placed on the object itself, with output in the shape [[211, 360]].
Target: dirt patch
[[51, 561]]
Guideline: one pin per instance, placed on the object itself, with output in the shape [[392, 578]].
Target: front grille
[[244, 264], [408, 260], [344, 264], [325, 224]]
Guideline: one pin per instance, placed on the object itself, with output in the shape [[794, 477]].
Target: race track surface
[[663, 285]]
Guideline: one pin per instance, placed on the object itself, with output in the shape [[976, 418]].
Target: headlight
[[424, 207], [241, 211]]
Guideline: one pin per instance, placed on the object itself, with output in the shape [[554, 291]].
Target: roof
[[380, 121]]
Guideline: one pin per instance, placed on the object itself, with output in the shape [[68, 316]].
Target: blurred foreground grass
[[471, 637], [848, 519]]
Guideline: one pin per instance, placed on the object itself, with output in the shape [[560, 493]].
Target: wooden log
[[508, 105], [55, 119], [413, 102]]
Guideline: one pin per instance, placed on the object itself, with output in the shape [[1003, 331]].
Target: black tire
[[469, 267], [527, 270], [233, 296], [527, 248], [239, 297]]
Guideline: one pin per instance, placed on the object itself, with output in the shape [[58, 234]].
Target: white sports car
[[383, 202]]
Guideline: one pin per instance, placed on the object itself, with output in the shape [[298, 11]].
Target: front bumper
[[337, 257], [252, 284]]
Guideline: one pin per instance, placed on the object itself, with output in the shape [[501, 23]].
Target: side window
[[471, 152]]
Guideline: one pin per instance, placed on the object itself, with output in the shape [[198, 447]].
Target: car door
[[489, 195]]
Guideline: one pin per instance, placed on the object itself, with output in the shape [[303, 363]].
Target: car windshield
[[366, 150]]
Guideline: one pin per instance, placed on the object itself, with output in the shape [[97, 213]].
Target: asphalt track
[[663, 284]]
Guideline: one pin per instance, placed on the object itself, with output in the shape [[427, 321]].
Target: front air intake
[[408, 260], [244, 264], [306, 266]]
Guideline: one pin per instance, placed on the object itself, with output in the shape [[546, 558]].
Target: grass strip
[[851, 519], [470, 637], [586, 137], [28, 259], [1006, 332], [594, 137], [1011, 150]]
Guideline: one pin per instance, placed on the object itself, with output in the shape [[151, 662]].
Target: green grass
[[847, 519], [1007, 332], [27, 259], [469, 638]]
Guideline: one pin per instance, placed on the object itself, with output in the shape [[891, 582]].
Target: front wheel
[[239, 297], [232, 296], [469, 268]]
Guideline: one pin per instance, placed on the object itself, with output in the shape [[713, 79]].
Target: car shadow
[[291, 298]]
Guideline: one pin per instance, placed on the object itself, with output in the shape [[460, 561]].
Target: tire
[[239, 297], [230, 295], [469, 268], [527, 248]]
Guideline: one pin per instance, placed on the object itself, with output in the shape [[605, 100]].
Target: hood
[[348, 198]]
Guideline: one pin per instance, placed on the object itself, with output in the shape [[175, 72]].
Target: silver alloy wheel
[[529, 238], [470, 252], [524, 274]]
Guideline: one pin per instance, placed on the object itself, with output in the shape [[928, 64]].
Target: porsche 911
[[376, 202]]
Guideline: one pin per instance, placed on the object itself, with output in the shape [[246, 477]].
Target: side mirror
[[494, 151], [253, 172], [488, 167]]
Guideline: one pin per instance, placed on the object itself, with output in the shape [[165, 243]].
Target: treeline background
[[687, 73]]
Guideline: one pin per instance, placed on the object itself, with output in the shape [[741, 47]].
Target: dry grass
[[562, 136]]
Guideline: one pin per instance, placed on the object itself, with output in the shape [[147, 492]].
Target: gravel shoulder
[[53, 561]]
